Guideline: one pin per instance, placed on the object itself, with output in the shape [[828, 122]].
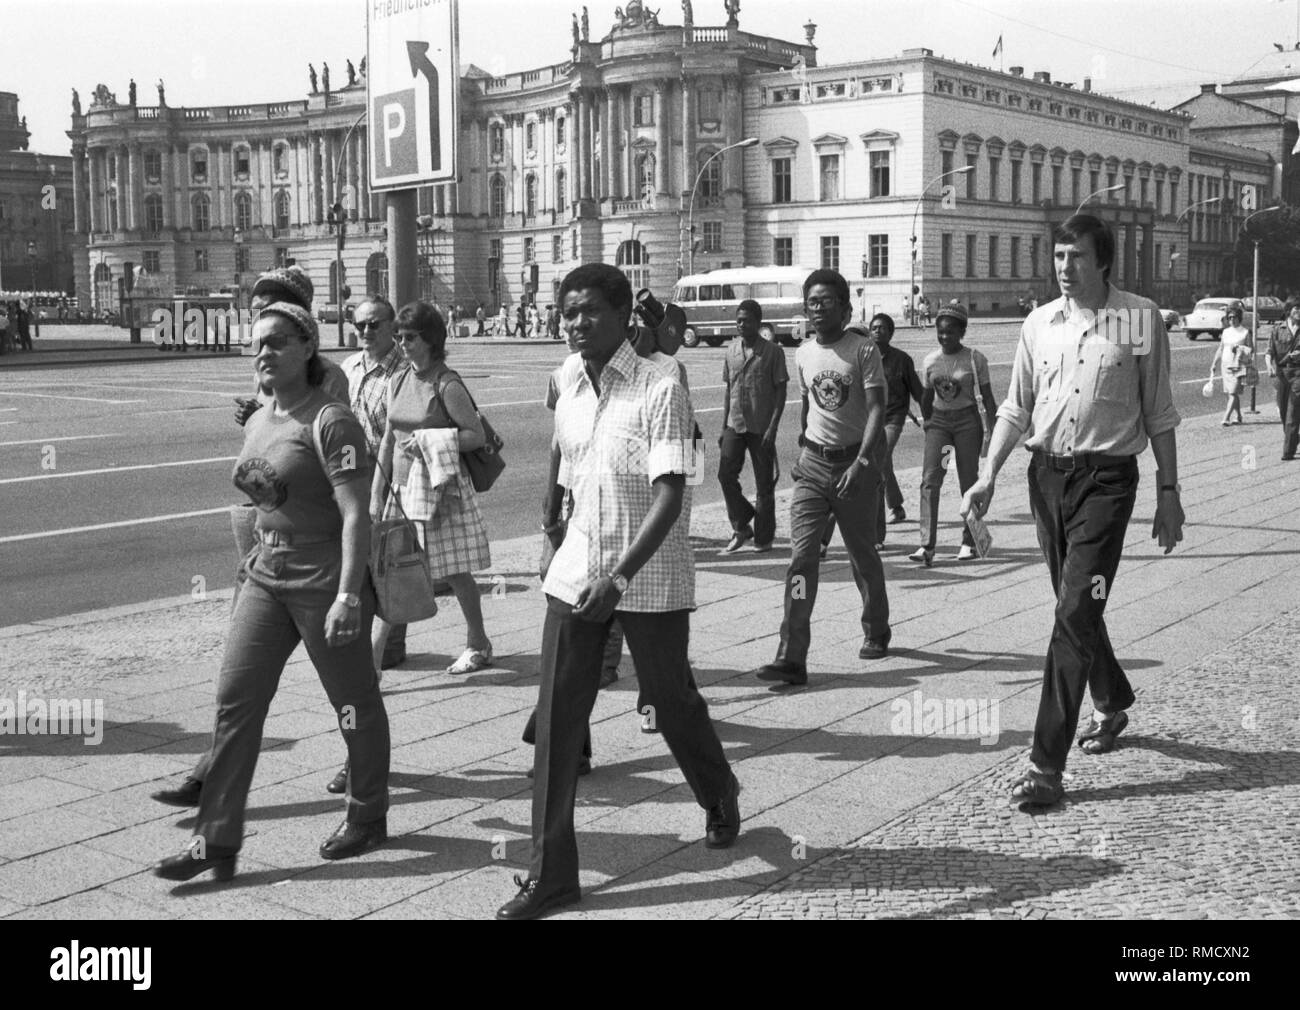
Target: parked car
[[1207, 317], [1271, 309], [330, 313], [1171, 318]]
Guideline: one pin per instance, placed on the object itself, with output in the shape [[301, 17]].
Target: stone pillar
[[663, 145], [96, 180], [608, 155], [219, 173], [582, 142], [328, 142], [516, 156], [735, 161], [165, 171], [180, 171], [79, 221], [688, 135], [572, 147], [123, 187]]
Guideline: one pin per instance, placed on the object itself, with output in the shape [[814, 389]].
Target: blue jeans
[[814, 501], [283, 598]]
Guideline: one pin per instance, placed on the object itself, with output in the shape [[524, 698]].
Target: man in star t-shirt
[[842, 385]]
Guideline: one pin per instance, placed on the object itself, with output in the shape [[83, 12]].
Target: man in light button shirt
[[624, 429], [1091, 387]]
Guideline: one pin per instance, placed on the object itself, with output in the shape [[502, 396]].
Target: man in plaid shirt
[[625, 431]]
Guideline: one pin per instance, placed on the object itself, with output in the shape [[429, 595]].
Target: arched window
[[497, 197], [561, 190], [243, 211], [103, 285], [153, 213], [282, 209], [201, 216], [530, 196], [634, 261], [711, 180]]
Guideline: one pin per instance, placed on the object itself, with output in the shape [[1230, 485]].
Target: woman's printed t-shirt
[[834, 378], [280, 471], [955, 378]]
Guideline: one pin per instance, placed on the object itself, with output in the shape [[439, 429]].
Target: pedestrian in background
[[755, 380], [954, 378], [841, 422], [1283, 359], [1091, 387], [429, 396], [1233, 358], [304, 464]]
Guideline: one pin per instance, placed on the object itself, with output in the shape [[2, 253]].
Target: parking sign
[[412, 91]]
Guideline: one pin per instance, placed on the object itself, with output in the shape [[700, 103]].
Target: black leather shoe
[[722, 824], [876, 648], [186, 795], [530, 903], [353, 839], [783, 669], [339, 783], [184, 865]]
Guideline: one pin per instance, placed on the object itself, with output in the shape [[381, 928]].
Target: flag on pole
[[998, 48]]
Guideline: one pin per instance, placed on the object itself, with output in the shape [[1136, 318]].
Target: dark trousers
[[762, 513], [963, 431], [1288, 408], [1082, 518], [892, 494], [571, 658], [814, 501], [268, 622]]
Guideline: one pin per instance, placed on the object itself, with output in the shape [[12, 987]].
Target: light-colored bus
[[710, 299]]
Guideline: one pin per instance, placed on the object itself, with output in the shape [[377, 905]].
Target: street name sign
[[412, 91]]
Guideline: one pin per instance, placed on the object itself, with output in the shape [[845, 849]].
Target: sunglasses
[[370, 324], [406, 336]]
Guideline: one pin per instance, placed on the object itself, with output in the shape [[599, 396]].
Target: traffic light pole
[[402, 253]]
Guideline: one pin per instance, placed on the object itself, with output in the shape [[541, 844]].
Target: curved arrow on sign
[[421, 64]]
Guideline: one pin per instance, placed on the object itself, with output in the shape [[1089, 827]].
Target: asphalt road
[[115, 478]]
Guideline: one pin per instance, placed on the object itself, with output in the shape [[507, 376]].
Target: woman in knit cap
[[954, 379], [304, 464]]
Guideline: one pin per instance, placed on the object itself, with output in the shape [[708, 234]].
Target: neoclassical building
[[36, 219], [617, 153]]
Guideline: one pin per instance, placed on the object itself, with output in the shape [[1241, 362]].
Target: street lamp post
[[339, 216], [1098, 192], [911, 287], [747, 142], [1254, 293], [34, 315], [1187, 210]]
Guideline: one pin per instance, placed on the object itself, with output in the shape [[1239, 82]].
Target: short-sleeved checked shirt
[[368, 391], [615, 446], [1092, 382], [755, 380]]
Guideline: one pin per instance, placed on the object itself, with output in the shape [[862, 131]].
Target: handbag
[[399, 569], [484, 464]]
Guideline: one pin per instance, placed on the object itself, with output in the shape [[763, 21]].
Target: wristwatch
[[1175, 488], [348, 599], [620, 583]]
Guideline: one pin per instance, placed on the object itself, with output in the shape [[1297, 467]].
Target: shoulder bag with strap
[[484, 464], [399, 566]]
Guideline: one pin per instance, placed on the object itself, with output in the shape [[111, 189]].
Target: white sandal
[[471, 661]]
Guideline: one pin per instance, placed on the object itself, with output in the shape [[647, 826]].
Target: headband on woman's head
[[299, 316]]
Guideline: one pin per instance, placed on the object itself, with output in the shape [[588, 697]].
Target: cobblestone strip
[[1194, 815]]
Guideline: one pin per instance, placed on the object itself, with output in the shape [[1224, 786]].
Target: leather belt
[[1079, 461], [275, 538], [832, 454]]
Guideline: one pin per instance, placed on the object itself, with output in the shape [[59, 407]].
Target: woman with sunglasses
[[304, 465], [429, 394]]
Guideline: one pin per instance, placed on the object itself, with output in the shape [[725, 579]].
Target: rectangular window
[[1173, 197], [1056, 184], [993, 256], [152, 261], [1036, 182], [781, 189], [574, 251], [644, 114], [278, 156], [880, 173], [497, 140], [970, 177], [1016, 168], [530, 136], [830, 252], [1156, 264], [241, 161], [1075, 179], [242, 259], [1015, 255], [152, 166], [710, 105], [1127, 192], [711, 233], [830, 177], [281, 256], [153, 214], [877, 255], [1035, 256], [529, 249], [1094, 178], [1160, 195], [559, 131], [945, 162], [970, 255], [557, 248], [783, 252], [199, 167], [945, 255], [1143, 191], [995, 165], [200, 261]]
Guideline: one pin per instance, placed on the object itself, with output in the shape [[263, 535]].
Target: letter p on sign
[[399, 145]]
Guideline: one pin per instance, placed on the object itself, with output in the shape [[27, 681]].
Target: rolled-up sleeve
[[1018, 408], [669, 429], [1158, 412]]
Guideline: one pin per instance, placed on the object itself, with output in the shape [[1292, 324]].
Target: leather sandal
[[1100, 737], [1037, 789]]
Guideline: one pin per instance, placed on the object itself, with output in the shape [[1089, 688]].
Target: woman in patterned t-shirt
[[950, 377]]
